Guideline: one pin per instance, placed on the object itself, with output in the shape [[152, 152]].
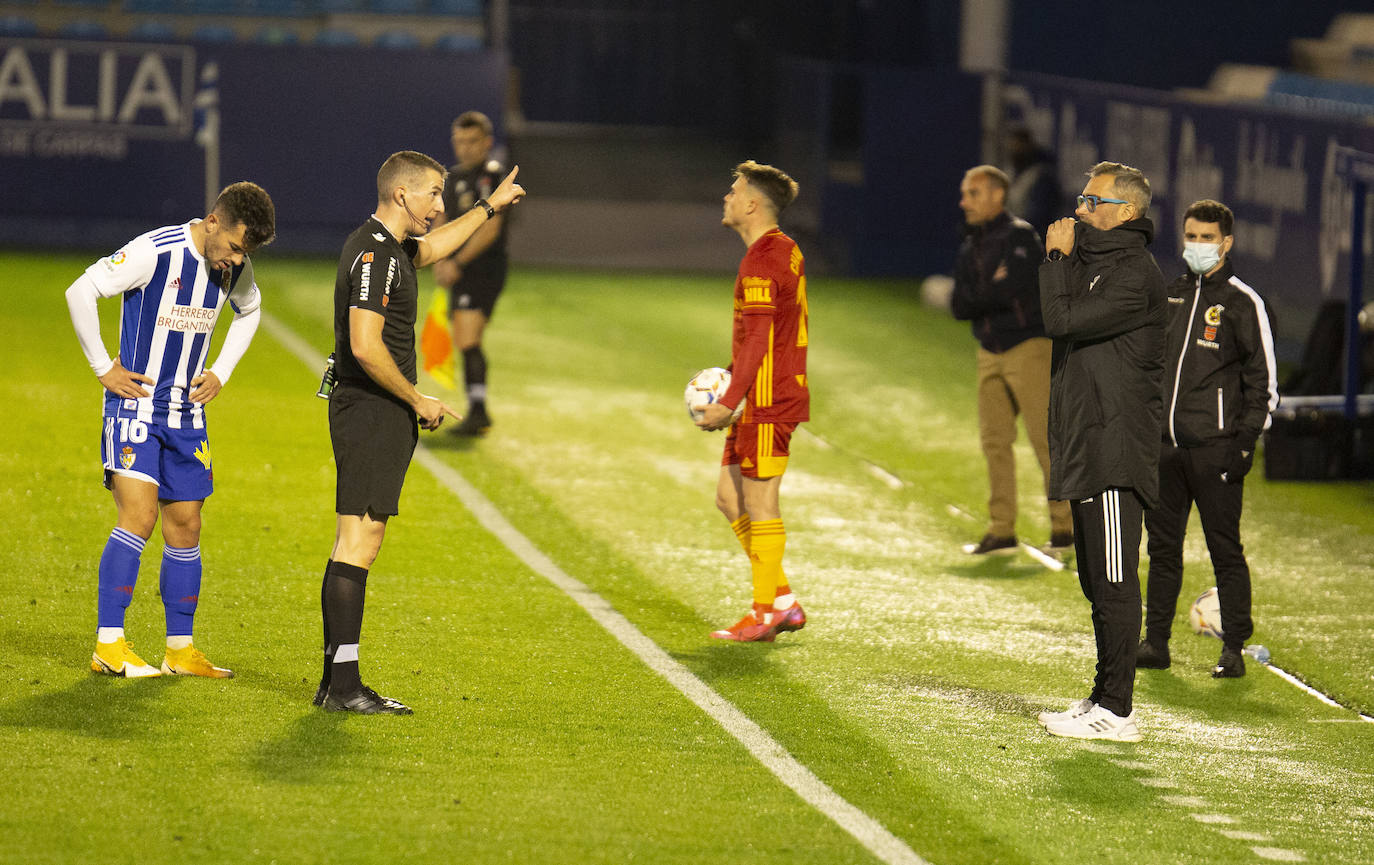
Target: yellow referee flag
[[436, 347]]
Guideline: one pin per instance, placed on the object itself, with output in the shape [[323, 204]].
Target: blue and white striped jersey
[[172, 301]]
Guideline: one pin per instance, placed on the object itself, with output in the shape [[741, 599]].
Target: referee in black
[[375, 410], [476, 273]]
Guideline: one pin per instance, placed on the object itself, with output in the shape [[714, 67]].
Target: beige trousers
[[1015, 381]]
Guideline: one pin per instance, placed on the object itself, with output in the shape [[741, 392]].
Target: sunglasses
[[1093, 200]]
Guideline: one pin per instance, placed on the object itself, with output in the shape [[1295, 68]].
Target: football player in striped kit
[[173, 283]]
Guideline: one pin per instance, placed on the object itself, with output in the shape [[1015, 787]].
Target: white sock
[[108, 635], [178, 643]]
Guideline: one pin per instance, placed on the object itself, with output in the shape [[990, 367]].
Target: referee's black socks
[[342, 596]]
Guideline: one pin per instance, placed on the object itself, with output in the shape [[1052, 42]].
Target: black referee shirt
[[463, 188], [377, 273]]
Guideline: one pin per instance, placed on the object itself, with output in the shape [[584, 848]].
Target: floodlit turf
[[537, 737]]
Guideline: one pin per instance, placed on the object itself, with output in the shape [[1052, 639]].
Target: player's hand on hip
[[1060, 235], [431, 412], [508, 192], [121, 382], [205, 387], [715, 416]]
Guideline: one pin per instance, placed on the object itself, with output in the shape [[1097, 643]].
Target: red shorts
[[759, 449]]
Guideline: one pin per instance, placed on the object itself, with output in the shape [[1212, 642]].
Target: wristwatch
[[485, 205], [1054, 255]]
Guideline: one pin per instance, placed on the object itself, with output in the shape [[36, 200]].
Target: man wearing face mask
[[1102, 299], [1219, 391]]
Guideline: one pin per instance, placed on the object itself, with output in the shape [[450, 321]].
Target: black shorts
[[479, 287], [374, 438]]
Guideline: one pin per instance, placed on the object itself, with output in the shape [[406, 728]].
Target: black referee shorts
[[374, 438], [480, 286]]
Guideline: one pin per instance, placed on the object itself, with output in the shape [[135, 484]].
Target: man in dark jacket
[[996, 287], [1219, 389], [1102, 297]]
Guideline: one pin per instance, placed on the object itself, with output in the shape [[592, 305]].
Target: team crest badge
[[203, 453], [126, 458], [1213, 314]]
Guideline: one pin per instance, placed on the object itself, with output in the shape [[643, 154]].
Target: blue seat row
[[462, 8], [152, 30]]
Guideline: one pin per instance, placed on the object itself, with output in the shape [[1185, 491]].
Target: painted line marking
[[1036, 553], [1191, 802], [1239, 835], [1213, 818], [1278, 854], [762, 746], [1130, 764], [1294, 680]]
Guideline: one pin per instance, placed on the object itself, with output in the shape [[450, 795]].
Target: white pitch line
[[762, 746], [1294, 680]]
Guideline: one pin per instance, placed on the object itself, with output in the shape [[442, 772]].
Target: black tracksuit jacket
[[1005, 312], [1220, 380], [1104, 306]]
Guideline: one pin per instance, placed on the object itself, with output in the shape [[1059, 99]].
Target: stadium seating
[[397, 39], [18, 25], [152, 30], [217, 33], [336, 37], [396, 7], [152, 7], [273, 34], [459, 43], [467, 8], [84, 28]]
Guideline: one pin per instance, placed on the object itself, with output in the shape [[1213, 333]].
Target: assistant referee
[[375, 410]]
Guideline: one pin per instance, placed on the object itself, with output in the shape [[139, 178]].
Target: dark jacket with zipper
[[1005, 312], [1220, 381], [1104, 306]]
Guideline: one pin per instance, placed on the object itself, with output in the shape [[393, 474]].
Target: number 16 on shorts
[[177, 460]]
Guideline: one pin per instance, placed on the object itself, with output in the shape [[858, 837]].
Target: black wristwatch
[[1054, 255], [485, 205]]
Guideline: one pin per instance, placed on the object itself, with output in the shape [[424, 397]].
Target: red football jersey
[[768, 348]]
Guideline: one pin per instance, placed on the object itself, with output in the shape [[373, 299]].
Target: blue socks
[[118, 575], [180, 583]]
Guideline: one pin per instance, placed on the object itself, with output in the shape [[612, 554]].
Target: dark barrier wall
[[97, 140], [1274, 169]]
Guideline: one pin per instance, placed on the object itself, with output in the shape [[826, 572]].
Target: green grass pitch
[[539, 738]]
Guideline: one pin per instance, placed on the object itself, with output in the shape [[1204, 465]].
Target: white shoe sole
[[130, 671]]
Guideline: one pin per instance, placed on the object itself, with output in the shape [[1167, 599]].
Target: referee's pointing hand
[[431, 412]]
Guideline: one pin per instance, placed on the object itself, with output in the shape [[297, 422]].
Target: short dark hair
[[401, 168], [780, 189], [248, 204], [995, 175], [474, 120], [1128, 182], [1208, 210]]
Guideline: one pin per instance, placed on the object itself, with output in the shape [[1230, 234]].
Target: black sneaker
[[1231, 665], [1061, 541], [320, 693], [992, 545], [365, 701], [475, 423], [1150, 658]]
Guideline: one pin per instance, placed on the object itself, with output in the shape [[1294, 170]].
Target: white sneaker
[[1097, 723], [1079, 708]]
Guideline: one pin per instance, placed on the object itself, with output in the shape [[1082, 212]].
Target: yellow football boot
[[190, 661], [118, 659]]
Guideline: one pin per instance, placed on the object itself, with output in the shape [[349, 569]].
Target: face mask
[[1201, 257]]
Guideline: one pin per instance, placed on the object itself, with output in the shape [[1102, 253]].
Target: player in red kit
[[768, 373]]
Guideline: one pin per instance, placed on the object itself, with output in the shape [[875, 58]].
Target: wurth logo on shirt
[[365, 287]]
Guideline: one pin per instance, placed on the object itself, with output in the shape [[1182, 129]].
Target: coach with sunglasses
[[1103, 301]]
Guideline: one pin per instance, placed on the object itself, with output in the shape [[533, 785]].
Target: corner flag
[[435, 344]]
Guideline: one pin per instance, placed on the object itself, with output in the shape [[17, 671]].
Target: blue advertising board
[[1276, 169], [98, 144]]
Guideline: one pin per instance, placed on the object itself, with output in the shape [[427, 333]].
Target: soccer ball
[[705, 388], [1205, 615]]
